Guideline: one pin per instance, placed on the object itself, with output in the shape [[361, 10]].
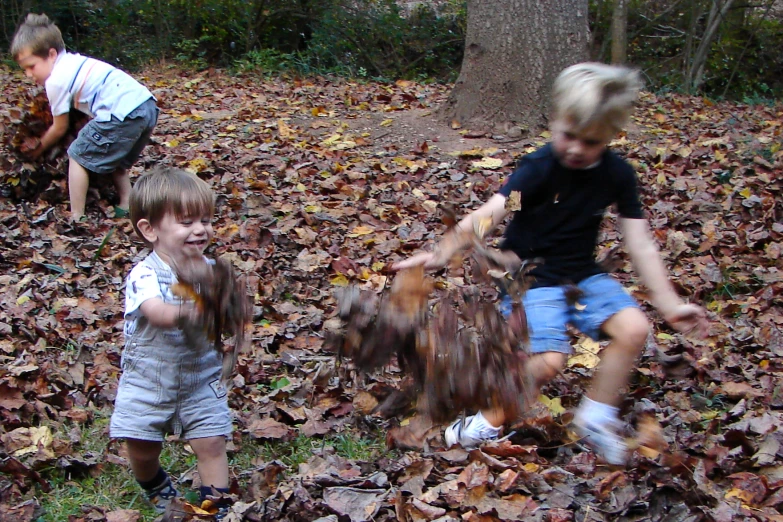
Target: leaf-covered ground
[[322, 183]]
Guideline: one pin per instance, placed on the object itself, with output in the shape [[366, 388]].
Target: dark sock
[[211, 491], [160, 479]]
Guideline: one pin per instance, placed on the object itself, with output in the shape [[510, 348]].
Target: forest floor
[[322, 183]]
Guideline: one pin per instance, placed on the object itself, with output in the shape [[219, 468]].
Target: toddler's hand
[[188, 315], [689, 319]]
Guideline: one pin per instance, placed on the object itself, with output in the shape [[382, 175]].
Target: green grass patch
[[112, 487]]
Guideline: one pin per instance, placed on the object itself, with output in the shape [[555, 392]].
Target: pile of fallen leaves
[[23, 178], [323, 182]]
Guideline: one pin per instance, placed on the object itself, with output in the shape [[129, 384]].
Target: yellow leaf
[[585, 360], [531, 467], [554, 405], [331, 140], [664, 336], [546, 135], [741, 494], [339, 280], [283, 128], [488, 163], [300, 187], [360, 231], [378, 266], [22, 299], [172, 143], [745, 193], [684, 151], [231, 128], [386, 123], [587, 345], [197, 165]]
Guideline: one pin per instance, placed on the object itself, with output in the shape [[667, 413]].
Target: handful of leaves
[[461, 352], [221, 303]]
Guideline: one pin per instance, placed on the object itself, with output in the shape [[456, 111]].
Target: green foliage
[[744, 62]]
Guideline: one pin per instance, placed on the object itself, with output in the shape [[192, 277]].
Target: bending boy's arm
[[162, 315], [52, 135], [646, 259], [492, 213]]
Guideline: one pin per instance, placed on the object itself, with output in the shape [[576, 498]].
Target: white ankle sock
[[480, 427], [596, 412]]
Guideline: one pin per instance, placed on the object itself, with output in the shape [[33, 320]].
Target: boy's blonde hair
[[164, 191], [588, 94], [38, 34]]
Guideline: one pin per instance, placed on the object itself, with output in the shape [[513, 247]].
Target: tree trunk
[[695, 76], [514, 49], [620, 32]]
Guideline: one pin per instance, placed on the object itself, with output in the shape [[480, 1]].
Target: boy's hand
[[428, 259], [689, 319], [31, 147]]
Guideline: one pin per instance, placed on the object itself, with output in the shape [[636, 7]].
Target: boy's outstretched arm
[[163, 315], [646, 259], [492, 212], [52, 135]]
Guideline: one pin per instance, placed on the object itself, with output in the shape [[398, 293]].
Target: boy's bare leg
[[144, 456], [540, 369], [123, 185], [212, 460], [78, 183], [628, 330]]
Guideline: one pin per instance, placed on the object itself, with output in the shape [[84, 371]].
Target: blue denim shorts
[[105, 146], [170, 390], [548, 311]]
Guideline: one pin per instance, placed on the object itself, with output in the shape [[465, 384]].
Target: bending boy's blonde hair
[[167, 190], [588, 94], [38, 34]]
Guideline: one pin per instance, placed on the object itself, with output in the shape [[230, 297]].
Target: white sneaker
[[470, 432], [604, 439]]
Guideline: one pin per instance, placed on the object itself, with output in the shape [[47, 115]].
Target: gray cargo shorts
[[105, 146], [170, 390]]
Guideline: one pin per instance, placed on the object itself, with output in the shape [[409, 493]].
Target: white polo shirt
[[104, 91]]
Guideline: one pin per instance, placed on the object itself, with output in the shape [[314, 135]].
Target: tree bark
[[695, 76], [620, 32], [514, 49]]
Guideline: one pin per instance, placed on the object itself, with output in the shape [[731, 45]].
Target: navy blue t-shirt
[[562, 211]]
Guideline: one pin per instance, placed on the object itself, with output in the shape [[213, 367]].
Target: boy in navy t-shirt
[[565, 188]]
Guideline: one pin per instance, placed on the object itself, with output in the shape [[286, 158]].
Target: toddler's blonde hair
[[164, 191], [590, 94], [38, 34]]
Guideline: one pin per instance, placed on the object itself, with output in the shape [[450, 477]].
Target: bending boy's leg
[[123, 185], [144, 457], [628, 330], [78, 183], [212, 460]]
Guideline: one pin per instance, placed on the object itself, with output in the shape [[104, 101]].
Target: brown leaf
[[268, 429], [359, 505]]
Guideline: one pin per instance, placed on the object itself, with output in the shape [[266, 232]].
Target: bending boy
[[123, 111], [565, 188]]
